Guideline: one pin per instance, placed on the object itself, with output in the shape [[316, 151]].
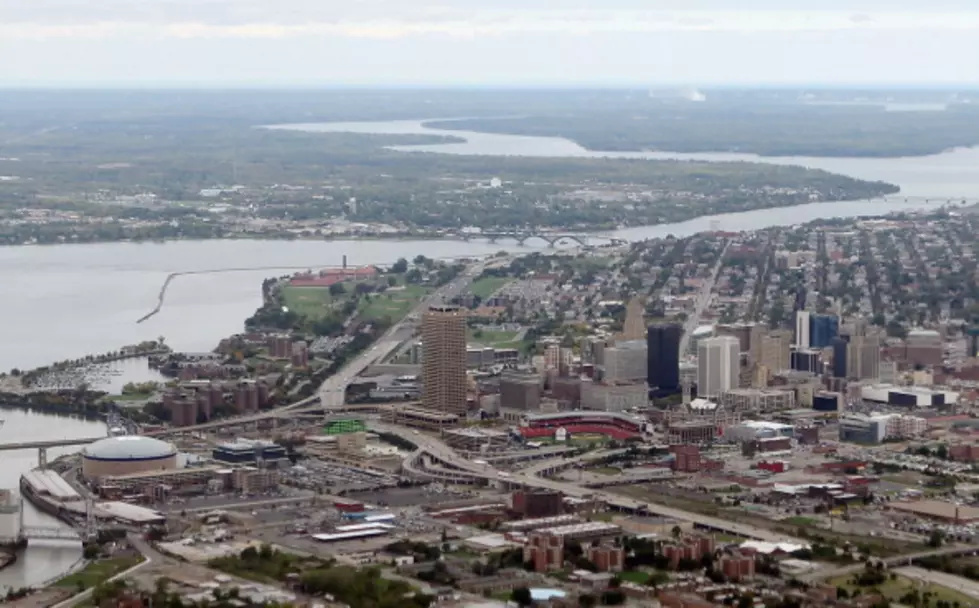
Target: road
[[332, 392], [703, 299], [443, 453], [958, 583], [890, 561], [149, 554]]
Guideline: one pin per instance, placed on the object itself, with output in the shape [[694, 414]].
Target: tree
[[337, 289], [676, 532], [936, 538], [522, 597], [400, 267], [586, 601]]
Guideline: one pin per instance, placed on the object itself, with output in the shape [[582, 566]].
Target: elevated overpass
[[897, 560], [458, 467]]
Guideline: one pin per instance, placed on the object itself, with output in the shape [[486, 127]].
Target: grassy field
[[496, 339], [606, 470], [487, 286], [634, 576], [98, 572], [316, 302], [310, 302], [895, 589], [393, 303]]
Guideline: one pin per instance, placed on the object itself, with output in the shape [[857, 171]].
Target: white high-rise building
[[718, 366], [802, 329]]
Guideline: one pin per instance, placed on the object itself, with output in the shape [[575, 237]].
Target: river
[[950, 174], [66, 301]]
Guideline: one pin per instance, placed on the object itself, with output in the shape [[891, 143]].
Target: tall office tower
[[775, 350], [718, 366], [863, 357], [633, 328], [663, 356], [839, 357], [444, 360], [802, 328], [742, 331], [822, 330]]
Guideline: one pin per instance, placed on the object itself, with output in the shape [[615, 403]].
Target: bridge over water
[[551, 239]]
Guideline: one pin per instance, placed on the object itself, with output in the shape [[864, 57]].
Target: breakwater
[[173, 275], [161, 297]]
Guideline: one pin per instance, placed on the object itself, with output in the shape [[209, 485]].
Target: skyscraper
[[839, 357], [718, 366], [663, 356], [633, 327], [802, 328], [822, 330], [444, 360]]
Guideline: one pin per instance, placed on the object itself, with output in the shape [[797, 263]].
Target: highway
[[439, 451], [944, 579], [51, 443], [889, 561], [332, 392]]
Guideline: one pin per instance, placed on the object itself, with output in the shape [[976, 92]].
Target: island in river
[[134, 168]]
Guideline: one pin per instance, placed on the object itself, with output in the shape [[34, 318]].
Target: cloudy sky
[[487, 42]]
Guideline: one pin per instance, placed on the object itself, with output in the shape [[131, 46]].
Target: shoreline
[[603, 233]]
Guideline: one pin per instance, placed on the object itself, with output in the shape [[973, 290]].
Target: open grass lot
[[894, 589], [98, 572], [314, 303], [310, 302], [394, 303], [496, 339], [487, 286], [634, 576], [606, 470]]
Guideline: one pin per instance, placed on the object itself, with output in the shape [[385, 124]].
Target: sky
[[215, 43]]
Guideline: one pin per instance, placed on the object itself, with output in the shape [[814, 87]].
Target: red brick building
[[964, 453], [531, 504], [738, 567], [606, 557], [686, 458], [689, 547], [545, 551]]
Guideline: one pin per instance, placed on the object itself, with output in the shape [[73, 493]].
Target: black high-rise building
[[663, 357], [839, 345]]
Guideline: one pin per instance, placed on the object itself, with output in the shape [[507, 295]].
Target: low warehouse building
[[937, 510]]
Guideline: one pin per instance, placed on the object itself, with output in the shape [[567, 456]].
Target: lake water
[[66, 301]]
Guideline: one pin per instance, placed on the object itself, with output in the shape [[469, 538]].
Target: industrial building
[[752, 430], [532, 504], [472, 439], [127, 454], [757, 400], [908, 396], [248, 451], [828, 402], [862, 429]]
